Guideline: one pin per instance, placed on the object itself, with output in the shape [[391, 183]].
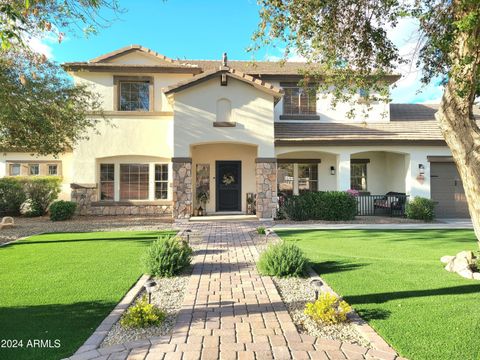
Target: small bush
[[62, 210], [40, 192], [420, 209], [261, 230], [12, 196], [282, 260], [167, 256], [142, 314], [328, 309], [330, 205]]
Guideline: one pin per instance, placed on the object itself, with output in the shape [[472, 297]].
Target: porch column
[[266, 182], [182, 187], [417, 184], [343, 171]]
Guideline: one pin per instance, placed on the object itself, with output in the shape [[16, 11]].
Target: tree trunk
[[455, 115], [463, 137]]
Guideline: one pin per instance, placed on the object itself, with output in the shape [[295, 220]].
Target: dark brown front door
[[228, 185]]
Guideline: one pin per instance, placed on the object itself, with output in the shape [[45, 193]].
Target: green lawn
[[61, 286], [395, 280]]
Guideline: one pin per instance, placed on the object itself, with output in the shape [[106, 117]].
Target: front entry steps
[[224, 217]]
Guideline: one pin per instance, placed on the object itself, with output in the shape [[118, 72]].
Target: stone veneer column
[[83, 195], [266, 180], [182, 188]]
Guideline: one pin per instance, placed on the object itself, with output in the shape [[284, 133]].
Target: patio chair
[[7, 222], [392, 203]]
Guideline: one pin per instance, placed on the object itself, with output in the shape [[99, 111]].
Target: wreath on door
[[228, 179]]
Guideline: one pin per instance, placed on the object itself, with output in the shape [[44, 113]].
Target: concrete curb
[[91, 345]]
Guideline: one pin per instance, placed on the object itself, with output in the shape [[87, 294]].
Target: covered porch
[[380, 179]]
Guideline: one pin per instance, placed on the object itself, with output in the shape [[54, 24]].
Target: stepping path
[[231, 312]]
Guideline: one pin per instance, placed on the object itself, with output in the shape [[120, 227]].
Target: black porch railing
[[391, 204]]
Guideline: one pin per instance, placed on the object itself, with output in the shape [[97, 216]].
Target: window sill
[[131, 203], [224, 124], [299, 117]]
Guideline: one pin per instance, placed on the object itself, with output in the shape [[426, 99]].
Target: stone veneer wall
[[85, 195], [182, 188], [266, 179]]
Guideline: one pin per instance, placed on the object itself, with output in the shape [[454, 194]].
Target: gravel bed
[[31, 226], [295, 293], [168, 296]]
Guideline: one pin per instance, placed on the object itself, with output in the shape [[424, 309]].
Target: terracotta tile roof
[[131, 48], [409, 122], [255, 68], [233, 73]]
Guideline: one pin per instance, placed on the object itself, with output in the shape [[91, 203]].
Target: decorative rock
[[467, 255], [476, 275], [466, 273], [446, 259]]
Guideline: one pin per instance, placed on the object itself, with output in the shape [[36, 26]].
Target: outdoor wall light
[[421, 169], [149, 286], [332, 170], [317, 285]]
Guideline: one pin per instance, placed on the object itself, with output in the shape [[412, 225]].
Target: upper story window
[[134, 93], [299, 102], [52, 169]]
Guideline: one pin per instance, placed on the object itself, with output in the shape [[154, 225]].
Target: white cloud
[[293, 56], [41, 46]]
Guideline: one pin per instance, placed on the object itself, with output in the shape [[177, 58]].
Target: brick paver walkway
[[231, 312]]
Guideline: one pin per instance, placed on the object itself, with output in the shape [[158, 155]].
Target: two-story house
[[183, 131]]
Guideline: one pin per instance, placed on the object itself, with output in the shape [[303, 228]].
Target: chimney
[[224, 60]]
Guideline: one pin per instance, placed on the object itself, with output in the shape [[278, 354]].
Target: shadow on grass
[[329, 267], [373, 314], [71, 324], [380, 298]]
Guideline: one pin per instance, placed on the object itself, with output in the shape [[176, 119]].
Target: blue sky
[[204, 30]]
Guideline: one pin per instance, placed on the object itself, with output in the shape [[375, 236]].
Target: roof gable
[[261, 85], [149, 56]]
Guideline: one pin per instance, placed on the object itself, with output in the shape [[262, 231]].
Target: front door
[[228, 185]]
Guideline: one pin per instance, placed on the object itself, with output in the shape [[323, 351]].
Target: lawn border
[[94, 341], [380, 348]]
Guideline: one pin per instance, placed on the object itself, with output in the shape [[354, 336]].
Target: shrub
[[142, 314], [261, 230], [328, 309], [420, 209], [12, 196], [282, 259], [62, 210], [40, 192], [167, 256], [330, 205]]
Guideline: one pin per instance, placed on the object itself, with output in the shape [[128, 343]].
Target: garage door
[[447, 191]]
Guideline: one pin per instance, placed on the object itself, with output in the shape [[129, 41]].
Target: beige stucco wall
[[124, 136], [407, 172], [209, 154], [102, 83], [379, 112], [195, 112], [66, 159]]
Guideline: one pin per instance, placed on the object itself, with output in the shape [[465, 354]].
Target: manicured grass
[[61, 286], [395, 280]]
